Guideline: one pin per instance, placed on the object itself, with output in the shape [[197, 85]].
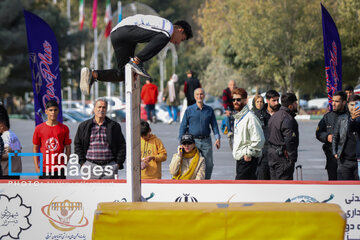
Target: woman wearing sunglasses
[[187, 164]]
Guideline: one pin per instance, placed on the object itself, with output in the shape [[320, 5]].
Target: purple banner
[[44, 65], [332, 51]]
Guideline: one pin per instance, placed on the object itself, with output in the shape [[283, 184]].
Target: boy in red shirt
[[52, 137]]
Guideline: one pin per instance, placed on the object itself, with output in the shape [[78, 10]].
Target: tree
[[273, 38]]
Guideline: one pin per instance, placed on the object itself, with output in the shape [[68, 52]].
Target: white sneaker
[[171, 121], [85, 80]]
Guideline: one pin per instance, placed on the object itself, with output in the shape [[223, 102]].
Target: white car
[[114, 103], [318, 103]]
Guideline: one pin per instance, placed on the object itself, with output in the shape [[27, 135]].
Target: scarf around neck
[[195, 156]]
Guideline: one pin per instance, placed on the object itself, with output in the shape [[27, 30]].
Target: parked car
[[215, 103], [69, 118], [318, 103], [77, 115], [117, 115], [357, 89], [114, 103], [161, 112]]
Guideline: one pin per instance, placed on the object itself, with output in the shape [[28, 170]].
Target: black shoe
[[86, 80], [139, 68]]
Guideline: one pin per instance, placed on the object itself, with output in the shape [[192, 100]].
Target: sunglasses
[[236, 99], [187, 143]]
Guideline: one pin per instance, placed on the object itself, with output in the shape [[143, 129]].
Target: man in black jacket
[[190, 85], [283, 139], [345, 144], [325, 132], [272, 105], [100, 145]]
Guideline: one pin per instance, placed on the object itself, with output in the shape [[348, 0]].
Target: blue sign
[[333, 58], [44, 65], [40, 155]]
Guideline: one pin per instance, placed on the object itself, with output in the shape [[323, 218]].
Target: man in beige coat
[[248, 137]]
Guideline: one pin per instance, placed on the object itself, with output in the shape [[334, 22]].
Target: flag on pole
[[332, 52], [44, 65], [81, 14], [94, 14], [108, 18]]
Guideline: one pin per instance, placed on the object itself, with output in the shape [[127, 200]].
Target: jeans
[[150, 111], [205, 149], [173, 114], [229, 122]]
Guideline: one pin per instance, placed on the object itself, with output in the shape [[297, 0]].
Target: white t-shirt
[[150, 22], [11, 140]]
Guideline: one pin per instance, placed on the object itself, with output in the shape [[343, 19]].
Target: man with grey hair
[[196, 121], [100, 144]]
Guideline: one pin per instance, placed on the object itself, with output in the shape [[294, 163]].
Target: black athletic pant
[[347, 170], [331, 163], [124, 41], [263, 170], [280, 167], [246, 170]]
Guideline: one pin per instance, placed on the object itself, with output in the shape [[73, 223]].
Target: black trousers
[[280, 167], [246, 170], [263, 170], [347, 170], [331, 163], [124, 41]]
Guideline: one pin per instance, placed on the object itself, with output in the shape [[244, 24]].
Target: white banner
[[65, 209]]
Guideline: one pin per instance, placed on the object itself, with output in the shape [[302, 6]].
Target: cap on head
[[187, 138]]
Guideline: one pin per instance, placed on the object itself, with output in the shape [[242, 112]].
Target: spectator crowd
[[264, 138]]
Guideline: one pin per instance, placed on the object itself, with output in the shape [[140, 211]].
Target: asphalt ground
[[310, 156]]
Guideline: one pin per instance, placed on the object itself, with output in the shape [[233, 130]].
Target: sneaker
[[86, 80], [139, 68], [171, 121], [154, 119]]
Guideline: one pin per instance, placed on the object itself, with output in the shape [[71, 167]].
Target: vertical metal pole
[[82, 54], [96, 65], [161, 75], [133, 148], [121, 84], [108, 84]]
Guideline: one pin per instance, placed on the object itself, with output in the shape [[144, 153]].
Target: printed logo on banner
[[186, 198], [66, 215], [308, 199], [14, 216]]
